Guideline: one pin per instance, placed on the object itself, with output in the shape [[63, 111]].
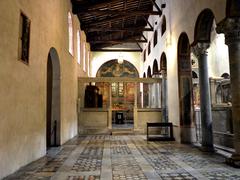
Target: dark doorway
[[53, 99]]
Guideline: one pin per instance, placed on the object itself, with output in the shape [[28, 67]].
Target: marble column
[[164, 96], [200, 50], [231, 28]]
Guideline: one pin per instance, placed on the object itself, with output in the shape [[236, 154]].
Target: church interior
[[119, 89]]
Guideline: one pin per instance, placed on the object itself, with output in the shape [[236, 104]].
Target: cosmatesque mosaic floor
[[126, 158]]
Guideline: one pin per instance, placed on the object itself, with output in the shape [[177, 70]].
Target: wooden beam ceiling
[[118, 12], [130, 29], [110, 22]]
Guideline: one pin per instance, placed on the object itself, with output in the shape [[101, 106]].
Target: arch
[[163, 62], [144, 75], [164, 25], [155, 67], [70, 33], [225, 76], [53, 99], [113, 69], [185, 87], [149, 73], [203, 26]]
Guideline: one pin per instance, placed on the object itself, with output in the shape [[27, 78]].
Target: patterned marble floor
[[126, 158]]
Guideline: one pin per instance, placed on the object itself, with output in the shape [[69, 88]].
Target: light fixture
[[120, 58]]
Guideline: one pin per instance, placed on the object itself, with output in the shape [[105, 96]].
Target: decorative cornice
[[231, 28], [200, 49]]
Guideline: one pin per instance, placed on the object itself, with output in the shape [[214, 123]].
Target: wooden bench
[[167, 136]]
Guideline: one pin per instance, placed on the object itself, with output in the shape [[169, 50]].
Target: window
[[117, 89], [84, 56], [78, 47], [149, 47], [164, 25], [155, 39], [24, 38], [70, 33], [88, 63]]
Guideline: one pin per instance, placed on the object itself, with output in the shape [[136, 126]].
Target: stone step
[[117, 132]]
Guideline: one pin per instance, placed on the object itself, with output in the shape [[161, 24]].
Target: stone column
[[164, 96], [200, 50], [231, 28], [157, 95], [110, 107], [135, 108]]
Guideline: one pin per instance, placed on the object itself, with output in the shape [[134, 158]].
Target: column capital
[[231, 28], [200, 48]]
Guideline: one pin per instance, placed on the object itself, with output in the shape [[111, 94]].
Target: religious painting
[[114, 69]]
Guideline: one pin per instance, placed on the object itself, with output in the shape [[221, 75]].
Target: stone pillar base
[[234, 161], [207, 149]]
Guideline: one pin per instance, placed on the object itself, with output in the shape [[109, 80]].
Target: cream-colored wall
[[23, 87], [148, 116], [99, 58], [181, 16], [93, 121]]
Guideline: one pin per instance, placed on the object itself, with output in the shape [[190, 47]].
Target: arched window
[[149, 73], [164, 25], [155, 67], [155, 39], [79, 47], [149, 47], [84, 56], [88, 63], [70, 33], [144, 55]]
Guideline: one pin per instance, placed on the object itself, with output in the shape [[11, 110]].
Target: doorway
[[122, 105], [53, 100], [122, 95]]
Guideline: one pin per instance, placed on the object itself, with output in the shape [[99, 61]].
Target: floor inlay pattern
[[87, 164], [83, 178], [104, 157]]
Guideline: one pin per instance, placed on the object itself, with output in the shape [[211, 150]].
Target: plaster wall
[[23, 87], [148, 116], [181, 16], [93, 121]]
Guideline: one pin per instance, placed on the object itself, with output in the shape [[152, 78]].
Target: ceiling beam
[[106, 20], [90, 5], [118, 41], [134, 29], [107, 12], [157, 7], [117, 50], [103, 36]]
